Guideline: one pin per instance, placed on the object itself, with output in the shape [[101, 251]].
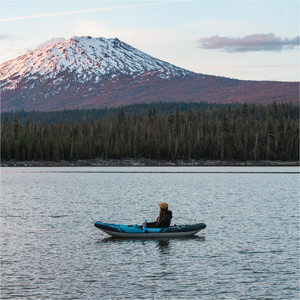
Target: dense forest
[[78, 115], [215, 132]]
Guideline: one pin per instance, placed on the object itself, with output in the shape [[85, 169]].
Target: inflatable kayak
[[138, 231]]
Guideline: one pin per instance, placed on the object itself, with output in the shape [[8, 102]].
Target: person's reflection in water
[[164, 246]]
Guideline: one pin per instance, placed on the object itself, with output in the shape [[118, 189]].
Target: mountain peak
[[85, 58]]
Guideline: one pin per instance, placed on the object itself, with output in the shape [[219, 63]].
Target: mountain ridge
[[86, 72]]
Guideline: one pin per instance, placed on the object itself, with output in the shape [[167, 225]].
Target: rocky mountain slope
[[86, 72]]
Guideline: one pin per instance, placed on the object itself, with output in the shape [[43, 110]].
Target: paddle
[[144, 227]]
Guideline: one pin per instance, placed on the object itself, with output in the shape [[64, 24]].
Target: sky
[[251, 40]]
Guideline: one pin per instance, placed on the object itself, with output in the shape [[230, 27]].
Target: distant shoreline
[[145, 163]]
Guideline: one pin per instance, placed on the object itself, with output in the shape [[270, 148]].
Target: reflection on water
[[163, 246], [158, 170], [111, 239]]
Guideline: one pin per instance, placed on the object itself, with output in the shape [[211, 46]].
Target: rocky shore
[[143, 162]]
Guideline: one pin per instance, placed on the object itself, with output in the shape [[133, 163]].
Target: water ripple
[[51, 250]]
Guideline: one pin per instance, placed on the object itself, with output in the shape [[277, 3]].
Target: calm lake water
[[50, 248]]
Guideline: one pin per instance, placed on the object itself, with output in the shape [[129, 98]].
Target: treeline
[[82, 115], [222, 133]]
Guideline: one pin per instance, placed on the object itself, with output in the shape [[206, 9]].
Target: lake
[[50, 248]]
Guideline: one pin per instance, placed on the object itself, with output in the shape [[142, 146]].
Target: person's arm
[[151, 224], [164, 222]]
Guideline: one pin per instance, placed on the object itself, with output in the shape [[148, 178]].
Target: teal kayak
[[139, 231]]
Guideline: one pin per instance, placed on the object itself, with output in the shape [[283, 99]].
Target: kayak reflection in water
[[164, 218]]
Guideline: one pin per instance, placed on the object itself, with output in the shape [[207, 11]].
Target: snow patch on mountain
[[84, 59]]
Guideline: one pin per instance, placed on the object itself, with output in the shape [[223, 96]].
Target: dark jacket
[[163, 223]]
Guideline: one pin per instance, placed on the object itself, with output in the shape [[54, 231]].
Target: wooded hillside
[[223, 132]]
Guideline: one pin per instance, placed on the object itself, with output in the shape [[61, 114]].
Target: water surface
[[50, 248]]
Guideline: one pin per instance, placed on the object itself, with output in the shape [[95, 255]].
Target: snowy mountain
[[86, 58], [86, 72]]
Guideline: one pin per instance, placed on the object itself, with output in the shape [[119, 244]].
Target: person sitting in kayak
[[164, 218]]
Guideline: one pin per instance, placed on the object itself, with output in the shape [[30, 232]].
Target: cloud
[[96, 29], [254, 42], [8, 37], [50, 42], [88, 11]]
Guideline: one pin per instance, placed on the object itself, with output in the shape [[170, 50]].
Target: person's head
[[163, 208], [163, 205]]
